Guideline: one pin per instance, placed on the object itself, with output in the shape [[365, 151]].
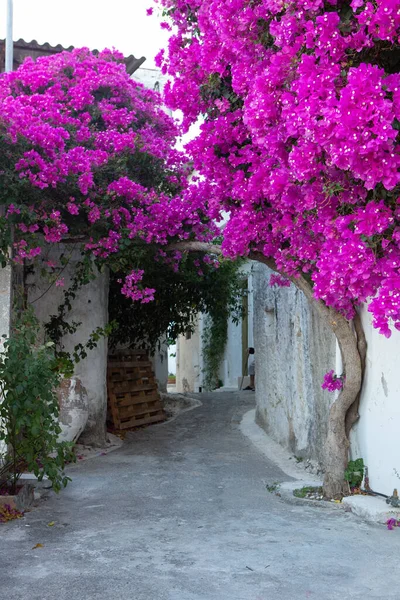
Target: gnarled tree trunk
[[344, 411]]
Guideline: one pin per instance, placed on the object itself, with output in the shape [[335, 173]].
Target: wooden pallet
[[133, 396]]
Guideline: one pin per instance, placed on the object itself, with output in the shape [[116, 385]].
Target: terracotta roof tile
[[22, 49]]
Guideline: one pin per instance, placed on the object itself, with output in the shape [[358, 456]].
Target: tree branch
[[352, 414], [192, 246]]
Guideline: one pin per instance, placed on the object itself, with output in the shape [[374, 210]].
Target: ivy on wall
[[228, 305]]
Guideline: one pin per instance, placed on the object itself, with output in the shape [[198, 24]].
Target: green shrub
[[354, 473], [29, 429]]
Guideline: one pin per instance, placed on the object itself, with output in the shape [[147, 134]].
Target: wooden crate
[[133, 396]]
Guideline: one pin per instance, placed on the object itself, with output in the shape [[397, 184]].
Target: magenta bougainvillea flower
[[332, 382], [392, 523], [300, 137], [279, 281]]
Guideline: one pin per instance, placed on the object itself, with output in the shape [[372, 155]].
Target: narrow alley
[[181, 512]]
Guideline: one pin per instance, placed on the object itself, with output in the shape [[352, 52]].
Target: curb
[[298, 478], [84, 452], [274, 451], [184, 398], [285, 492]]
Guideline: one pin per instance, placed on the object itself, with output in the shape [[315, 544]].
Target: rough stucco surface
[[5, 312], [293, 352], [90, 308], [159, 362], [188, 362], [5, 303], [375, 437]]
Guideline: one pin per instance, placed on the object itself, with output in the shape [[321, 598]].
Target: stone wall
[[293, 352], [90, 308]]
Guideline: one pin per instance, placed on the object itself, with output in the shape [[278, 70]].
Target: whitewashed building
[[189, 349]]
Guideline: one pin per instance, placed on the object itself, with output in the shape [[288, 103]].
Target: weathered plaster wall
[[189, 362], [5, 314], [91, 309], [293, 351], [231, 369], [375, 437], [231, 365], [5, 303], [159, 362]]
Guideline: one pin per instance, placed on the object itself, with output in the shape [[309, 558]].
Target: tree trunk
[[352, 415], [344, 411], [337, 442]]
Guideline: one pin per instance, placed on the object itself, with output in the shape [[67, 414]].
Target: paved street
[[181, 512]]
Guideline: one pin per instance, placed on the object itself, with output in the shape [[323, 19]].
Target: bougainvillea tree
[[88, 154], [299, 144]]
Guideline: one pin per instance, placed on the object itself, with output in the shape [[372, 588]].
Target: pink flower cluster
[[279, 281], [300, 136], [392, 523], [132, 290], [332, 382]]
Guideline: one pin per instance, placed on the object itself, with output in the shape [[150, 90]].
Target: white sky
[[94, 23]]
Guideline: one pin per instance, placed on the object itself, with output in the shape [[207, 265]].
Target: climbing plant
[[88, 155], [227, 305], [214, 339]]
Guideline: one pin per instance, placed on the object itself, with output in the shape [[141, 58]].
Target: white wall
[[376, 436], [90, 307], [5, 303], [5, 315], [172, 359], [232, 364], [293, 351], [188, 361], [159, 363]]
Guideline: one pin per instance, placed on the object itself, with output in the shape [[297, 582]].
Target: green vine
[[228, 305], [180, 295], [58, 326], [215, 337]]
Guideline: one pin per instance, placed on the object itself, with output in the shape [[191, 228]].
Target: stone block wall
[[293, 352]]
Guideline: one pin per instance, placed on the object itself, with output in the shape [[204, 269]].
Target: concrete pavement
[[181, 512]]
